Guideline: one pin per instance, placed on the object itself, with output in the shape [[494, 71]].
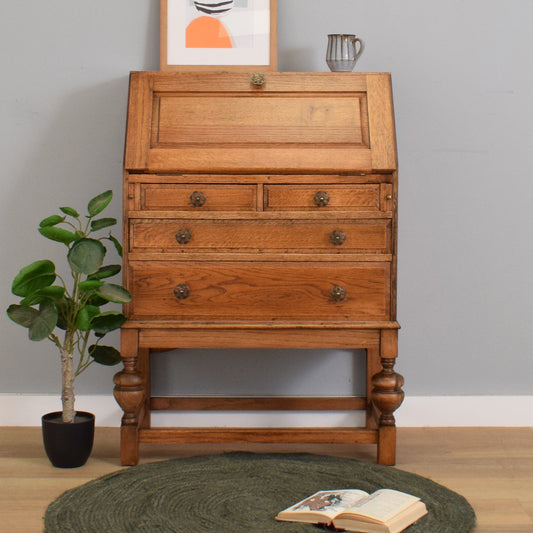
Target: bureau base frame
[[383, 385]]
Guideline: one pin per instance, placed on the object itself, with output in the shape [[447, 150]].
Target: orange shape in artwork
[[207, 32]]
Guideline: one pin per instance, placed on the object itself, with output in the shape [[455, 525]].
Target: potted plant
[[69, 314]]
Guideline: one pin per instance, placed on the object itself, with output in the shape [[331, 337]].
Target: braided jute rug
[[237, 492]]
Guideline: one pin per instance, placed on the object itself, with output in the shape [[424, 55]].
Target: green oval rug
[[237, 492]]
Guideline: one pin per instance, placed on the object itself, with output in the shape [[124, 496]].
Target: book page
[[382, 505], [328, 502]]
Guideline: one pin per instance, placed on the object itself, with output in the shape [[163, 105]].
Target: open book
[[383, 511]]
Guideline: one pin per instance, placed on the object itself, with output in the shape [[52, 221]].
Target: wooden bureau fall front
[[260, 214]]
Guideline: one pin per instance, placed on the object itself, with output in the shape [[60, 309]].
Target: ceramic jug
[[343, 52]]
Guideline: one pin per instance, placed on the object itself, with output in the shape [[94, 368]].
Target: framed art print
[[225, 34]]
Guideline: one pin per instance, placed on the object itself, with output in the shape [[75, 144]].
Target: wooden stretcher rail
[[339, 435], [253, 403]]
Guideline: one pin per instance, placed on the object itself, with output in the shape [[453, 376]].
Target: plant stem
[[67, 392], [63, 282], [67, 359], [71, 225], [84, 361], [87, 231]]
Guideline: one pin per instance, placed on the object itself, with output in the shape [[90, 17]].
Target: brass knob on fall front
[[182, 291], [338, 293], [183, 236], [257, 79], [197, 198], [321, 199], [337, 237]]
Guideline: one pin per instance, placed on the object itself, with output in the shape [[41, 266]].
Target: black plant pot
[[68, 445]]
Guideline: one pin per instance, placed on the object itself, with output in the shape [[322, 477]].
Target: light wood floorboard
[[491, 467]]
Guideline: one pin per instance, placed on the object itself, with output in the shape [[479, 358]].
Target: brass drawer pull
[[257, 79], [338, 293], [182, 291], [197, 199], [337, 237], [183, 236], [321, 199]]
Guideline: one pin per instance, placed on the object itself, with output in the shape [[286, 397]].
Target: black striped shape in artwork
[[214, 8]]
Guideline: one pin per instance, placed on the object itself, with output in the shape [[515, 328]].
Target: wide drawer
[[226, 291], [299, 236], [326, 197], [198, 197]]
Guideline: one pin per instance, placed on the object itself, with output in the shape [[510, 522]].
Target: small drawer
[[364, 197], [197, 197], [263, 291], [283, 236]]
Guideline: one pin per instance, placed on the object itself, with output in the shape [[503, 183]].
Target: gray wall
[[463, 84]]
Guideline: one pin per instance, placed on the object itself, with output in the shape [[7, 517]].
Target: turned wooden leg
[[373, 366], [387, 396], [143, 368], [130, 394]]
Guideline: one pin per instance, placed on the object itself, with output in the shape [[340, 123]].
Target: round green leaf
[[96, 300], [70, 211], [85, 315], [102, 223], [22, 314], [54, 293], [58, 234], [33, 277], [51, 221], [114, 293], [118, 246], [44, 322], [106, 272], [99, 203], [90, 285], [86, 256], [109, 321], [105, 355]]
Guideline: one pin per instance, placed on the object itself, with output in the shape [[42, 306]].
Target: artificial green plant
[[70, 314]]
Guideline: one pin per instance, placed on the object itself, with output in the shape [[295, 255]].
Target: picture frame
[[218, 35]]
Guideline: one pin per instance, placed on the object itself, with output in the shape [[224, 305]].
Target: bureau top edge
[[240, 73]]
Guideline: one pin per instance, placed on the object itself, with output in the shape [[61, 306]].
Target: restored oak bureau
[[260, 211]]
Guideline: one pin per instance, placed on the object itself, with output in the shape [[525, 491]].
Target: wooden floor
[[491, 467]]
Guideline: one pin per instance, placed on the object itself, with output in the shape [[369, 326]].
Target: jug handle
[[361, 47]]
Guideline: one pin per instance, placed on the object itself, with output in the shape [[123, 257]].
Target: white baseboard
[[416, 411], [27, 409], [463, 411]]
